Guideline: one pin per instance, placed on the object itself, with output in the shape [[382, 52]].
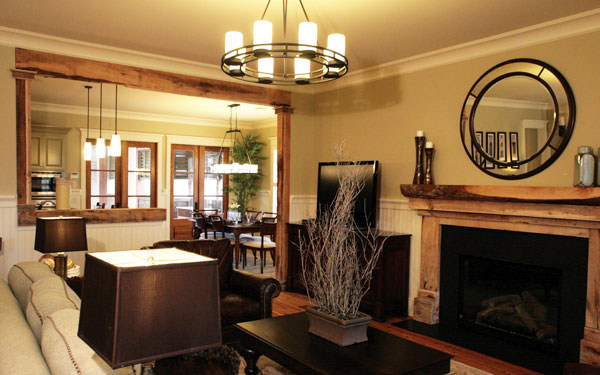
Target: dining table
[[237, 229]]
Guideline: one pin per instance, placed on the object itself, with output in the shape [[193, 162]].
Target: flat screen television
[[365, 207]]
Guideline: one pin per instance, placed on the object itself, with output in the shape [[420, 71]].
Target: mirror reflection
[[517, 119]]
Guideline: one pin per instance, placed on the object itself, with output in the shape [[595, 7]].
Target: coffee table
[[286, 340]]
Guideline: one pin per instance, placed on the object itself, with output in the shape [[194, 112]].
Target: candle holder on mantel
[[419, 177], [428, 179]]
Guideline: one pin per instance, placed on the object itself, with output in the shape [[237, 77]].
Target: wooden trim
[[592, 317], [523, 194], [59, 66], [23, 111], [27, 215], [284, 120], [527, 210]]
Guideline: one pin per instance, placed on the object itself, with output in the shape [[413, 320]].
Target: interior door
[[184, 189], [193, 187]]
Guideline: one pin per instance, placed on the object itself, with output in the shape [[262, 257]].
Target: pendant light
[[115, 141], [100, 144], [311, 63], [233, 167], [87, 146]]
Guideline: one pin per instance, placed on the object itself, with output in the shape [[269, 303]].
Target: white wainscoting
[[8, 232], [394, 216], [18, 242]]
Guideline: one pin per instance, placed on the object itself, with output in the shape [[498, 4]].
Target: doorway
[[193, 187]]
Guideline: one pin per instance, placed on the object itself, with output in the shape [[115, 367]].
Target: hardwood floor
[[290, 303]]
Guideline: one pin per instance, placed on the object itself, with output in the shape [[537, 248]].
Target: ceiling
[[378, 32]]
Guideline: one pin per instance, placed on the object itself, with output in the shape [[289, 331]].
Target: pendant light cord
[[88, 112], [100, 110], [116, 89]]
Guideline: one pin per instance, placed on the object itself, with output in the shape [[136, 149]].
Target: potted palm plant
[[337, 263], [246, 185]]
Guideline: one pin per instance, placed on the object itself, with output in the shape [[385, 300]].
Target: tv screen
[[365, 206]]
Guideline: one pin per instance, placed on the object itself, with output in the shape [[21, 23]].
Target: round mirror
[[517, 118]]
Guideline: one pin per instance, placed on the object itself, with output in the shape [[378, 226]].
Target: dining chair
[[200, 226], [218, 225], [253, 216], [268, 228]]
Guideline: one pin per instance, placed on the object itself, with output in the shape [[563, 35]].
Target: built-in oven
[[43, 186]]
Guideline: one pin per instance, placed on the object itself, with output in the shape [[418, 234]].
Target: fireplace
[[517, 289]]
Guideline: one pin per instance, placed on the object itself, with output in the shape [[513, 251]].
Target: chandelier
[[271, 63], [233, 167]]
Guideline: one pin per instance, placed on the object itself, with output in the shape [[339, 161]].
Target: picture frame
[[490, 149], [476, 155], [501, 147], [514, 148]]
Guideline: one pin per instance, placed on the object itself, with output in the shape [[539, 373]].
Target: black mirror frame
[[566, 136]]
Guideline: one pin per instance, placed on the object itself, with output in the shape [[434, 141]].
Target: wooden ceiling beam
[[60, 66]]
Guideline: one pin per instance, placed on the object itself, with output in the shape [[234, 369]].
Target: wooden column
[[427, 303], [23, 99], [284, 119]]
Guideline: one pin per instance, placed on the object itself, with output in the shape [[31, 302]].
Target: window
[[102, 181], [139, 175], [126, 181]]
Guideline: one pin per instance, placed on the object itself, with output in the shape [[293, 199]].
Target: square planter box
[[339, 331]]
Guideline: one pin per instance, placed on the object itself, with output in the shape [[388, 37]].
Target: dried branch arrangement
[[338, 259]]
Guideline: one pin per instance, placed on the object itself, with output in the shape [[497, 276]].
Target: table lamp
[[60, 234], [143, 305]]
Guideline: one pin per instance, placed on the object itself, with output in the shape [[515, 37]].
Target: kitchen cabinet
[[48, 150]]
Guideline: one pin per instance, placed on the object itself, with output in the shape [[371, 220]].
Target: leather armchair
[[244, 296]]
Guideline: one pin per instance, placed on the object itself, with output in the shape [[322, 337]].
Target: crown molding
[[48, 43], [561, 28], [95, 112], [517, 104]]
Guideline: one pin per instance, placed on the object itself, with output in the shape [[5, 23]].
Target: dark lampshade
[[58, 234], [143, 305]]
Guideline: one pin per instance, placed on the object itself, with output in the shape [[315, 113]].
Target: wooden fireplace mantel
[[550, 210], [523, 194]]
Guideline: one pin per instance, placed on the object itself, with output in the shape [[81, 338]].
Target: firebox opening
[[517, 301]]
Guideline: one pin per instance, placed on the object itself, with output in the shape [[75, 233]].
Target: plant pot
[[339, 331]]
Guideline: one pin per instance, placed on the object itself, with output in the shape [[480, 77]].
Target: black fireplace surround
[[521, 292]]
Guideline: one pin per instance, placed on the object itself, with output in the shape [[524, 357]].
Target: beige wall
[[379, 119], [8, 144]]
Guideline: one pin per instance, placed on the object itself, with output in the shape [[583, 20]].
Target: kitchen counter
[[27, 214]]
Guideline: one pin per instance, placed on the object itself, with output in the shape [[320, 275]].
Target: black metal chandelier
[[284, 63]]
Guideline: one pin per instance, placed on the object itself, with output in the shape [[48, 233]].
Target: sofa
[[244, 296], [39, 319]]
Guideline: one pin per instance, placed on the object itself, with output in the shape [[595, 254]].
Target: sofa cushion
[[66, 353], [22, 275], [237, 308], [19, 352], [46, 296]]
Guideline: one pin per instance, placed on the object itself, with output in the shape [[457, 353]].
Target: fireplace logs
[[520, 314]]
